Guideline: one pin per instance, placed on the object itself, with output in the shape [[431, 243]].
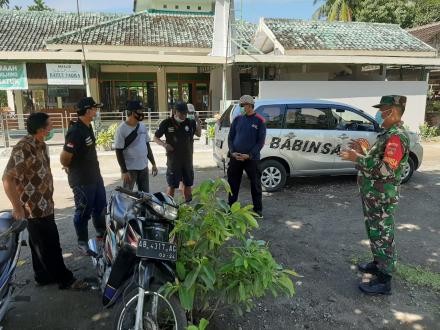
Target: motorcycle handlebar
[[134, 194], [16, 227]]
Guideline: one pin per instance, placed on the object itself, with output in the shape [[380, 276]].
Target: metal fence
[[13, 126]]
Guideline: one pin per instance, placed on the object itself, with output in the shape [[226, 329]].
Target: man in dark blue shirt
[[246, 139]]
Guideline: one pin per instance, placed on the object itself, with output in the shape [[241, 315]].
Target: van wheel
[[408, 170], [273, 175]]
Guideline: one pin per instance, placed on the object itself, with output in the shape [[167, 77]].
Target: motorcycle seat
[[7, 244]]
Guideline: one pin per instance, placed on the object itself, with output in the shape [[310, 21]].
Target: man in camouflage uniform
[[380, 169]]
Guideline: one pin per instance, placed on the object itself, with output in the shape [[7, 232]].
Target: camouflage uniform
[[379, 179]]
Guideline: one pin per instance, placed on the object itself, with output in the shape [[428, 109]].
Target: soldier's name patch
[[305, 146]]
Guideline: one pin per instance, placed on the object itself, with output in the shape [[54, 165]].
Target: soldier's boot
[[380, 285], [368, 268]]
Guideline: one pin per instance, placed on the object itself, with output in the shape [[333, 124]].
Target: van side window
[[309, 118], [225, 119], [347, 120], [273, 115]]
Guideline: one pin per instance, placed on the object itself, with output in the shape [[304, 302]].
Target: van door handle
[[291, 135], [343, 136]]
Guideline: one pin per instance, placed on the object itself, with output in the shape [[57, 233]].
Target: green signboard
[[13, 76]]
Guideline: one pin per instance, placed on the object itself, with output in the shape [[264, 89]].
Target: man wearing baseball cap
[[132, 144], [179, 133], [379, 177], [246, 139], [80, 161]]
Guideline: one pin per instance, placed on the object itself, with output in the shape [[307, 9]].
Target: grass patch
[[418, 276], [411, 274]]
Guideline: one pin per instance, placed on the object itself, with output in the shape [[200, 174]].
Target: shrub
[[427, 132], [106, 137], [220, 263]]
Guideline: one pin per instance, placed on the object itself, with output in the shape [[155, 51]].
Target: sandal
[[76, 285]]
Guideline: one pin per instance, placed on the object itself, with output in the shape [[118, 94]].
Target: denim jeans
[[90, 201]]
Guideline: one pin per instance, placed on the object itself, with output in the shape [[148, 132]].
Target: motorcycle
[[136, 258], [11, 237]]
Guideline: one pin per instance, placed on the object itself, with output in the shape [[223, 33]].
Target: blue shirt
[[247, 135]]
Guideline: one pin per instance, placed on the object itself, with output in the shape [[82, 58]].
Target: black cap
[[87, 103], [181, 107], [135, 105]]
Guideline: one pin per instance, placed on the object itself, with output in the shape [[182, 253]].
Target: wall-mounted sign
[[13, 76], [58, 91], [64, 74]]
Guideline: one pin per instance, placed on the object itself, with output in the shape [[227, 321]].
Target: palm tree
[[336, 10], [39, 5], [4, 4]]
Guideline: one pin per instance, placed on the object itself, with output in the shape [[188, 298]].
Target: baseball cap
[[392, 100], [247, 99], [135, 105], [87, 103], [181, 107]]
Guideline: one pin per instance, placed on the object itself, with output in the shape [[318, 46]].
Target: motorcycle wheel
[[170, 314]]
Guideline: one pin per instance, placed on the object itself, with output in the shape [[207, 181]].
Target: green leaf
[[291, 272], [235, 207], [209, 271], [242, 292], [180, 268], [191, 277], [203, 324], [288, 284], [251, 220], [209, 284], [186, 297], [192, 327]]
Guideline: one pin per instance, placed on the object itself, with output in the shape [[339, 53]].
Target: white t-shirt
[[136, 153]]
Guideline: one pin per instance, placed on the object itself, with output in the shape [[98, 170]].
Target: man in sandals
[[28, 183]]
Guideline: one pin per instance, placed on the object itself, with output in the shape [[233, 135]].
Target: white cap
[[247, 99]]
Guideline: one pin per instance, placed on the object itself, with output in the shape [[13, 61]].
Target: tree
[[426, 11], [39, 5], [386, 11], [336, 10], [4, 4]]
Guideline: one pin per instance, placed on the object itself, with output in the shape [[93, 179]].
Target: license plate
[[219, 143], [156, 250]]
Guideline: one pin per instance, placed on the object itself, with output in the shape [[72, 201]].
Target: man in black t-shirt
[[179, 133], [80, 161]]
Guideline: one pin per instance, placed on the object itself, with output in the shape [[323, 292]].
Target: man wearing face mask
[[28, 183], [179, 132], [379, 177], [80, 160], [132, 144], [246, 139]]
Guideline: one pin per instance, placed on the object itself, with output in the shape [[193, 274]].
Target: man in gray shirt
[[133, 150]]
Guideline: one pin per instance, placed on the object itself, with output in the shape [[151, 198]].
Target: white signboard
[[64, 74]]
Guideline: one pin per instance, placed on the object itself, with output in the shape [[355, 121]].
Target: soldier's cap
[[135, 106], [87, 103], [247, 99], [392, 100], [181, 107]]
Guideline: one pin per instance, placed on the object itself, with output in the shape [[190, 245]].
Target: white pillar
[[11, 103], [162, 89], [19, 108]]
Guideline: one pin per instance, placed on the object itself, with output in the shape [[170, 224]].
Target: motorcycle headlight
[[170, 212], [158, 208]]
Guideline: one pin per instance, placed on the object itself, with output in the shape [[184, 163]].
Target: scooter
[[136, 258], [11, 237]]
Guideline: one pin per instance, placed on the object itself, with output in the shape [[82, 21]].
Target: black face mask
[[139, 116]]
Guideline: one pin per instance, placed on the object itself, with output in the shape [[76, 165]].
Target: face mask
[[379, 117], [50, 135], [179, 121]]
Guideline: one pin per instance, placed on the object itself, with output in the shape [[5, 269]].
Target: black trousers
[[235, 173], [47, 257]]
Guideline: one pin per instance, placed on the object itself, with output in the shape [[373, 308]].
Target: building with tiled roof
[[144, 29], [429, 34], [290, 36], [22, 30]]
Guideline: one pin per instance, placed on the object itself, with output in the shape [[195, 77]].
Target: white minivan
[[304, 138]]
